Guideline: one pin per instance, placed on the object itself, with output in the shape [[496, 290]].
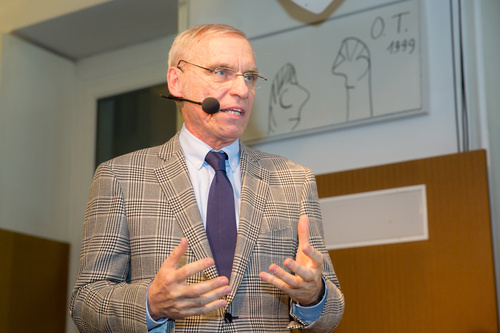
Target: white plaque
[[374, 218]]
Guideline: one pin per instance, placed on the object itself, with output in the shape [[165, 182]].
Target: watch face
[[314, 6]]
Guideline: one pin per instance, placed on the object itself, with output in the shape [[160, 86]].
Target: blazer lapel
[[174, 180], [254, 193]]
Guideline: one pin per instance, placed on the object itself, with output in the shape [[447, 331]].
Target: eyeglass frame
[[212, 71]]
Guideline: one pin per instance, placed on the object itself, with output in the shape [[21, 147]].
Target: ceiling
[[105, 27]]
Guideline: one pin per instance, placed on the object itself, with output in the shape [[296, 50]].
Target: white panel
[[374, 218]]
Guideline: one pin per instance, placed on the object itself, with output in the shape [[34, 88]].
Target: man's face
[[236, 97]]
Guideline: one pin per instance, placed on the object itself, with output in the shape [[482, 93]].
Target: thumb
[[303, 231], [173, 259]]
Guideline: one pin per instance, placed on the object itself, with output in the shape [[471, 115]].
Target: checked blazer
[[142, 204]]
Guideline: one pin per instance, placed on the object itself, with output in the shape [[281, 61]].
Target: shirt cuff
[[309, 314], [150, 321]]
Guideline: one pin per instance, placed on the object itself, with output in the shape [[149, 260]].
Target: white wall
[[488, 14], [36, 103], [482, 72], [37, 91]]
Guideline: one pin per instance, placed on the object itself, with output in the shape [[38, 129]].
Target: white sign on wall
[[374, 218]]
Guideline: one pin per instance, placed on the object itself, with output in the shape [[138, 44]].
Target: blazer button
[[228, 318]]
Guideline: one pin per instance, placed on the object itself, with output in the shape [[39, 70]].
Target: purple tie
[[221, 220]]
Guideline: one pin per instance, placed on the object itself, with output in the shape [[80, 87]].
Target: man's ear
[[174, 81]]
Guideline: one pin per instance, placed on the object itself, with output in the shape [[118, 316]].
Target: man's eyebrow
[[220, 65], [227, 66]]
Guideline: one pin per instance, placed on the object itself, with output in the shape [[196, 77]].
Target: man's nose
[[240, 87]]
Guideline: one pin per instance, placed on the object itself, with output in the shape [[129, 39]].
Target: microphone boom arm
[[180, 99], [209, 105]]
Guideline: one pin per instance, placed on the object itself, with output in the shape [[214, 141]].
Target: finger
[[205, 287], [307, 274], [211, 296], [172, 262], [303, 231], [217, 304], [315, 256], [173, 259], [196, 311], [290, 279], [207, 302], [186, 308], [274, 281], [193, 268]]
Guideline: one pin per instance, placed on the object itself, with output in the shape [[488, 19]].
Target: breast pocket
[[277, 241], [275, 223]]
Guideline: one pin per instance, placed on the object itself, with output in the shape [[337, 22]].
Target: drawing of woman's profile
[[286, 101]]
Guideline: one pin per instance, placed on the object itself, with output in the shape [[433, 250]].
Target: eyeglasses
[[223, 75]]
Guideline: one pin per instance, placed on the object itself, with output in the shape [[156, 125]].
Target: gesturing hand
[[171, 297], [306, 285]]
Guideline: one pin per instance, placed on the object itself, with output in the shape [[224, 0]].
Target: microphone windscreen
[[210, 105]]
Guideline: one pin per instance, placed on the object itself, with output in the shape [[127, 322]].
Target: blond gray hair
[[185, 41]]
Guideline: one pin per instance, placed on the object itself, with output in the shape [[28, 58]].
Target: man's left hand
[[306, 285]]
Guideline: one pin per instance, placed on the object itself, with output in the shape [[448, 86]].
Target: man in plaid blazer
[[146, 262]]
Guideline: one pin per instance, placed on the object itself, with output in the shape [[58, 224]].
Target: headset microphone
[[209, 105]]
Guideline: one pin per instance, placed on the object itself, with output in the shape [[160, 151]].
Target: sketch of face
[[286, 101], [352, 61]]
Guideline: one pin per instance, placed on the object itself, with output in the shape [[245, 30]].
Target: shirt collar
[[195, 150]]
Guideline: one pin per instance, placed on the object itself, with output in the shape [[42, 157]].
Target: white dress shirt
[[201, 173]]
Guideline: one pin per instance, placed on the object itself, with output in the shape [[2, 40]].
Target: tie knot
[[217, 160]]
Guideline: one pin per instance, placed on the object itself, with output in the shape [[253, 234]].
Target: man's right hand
[[170, 296]]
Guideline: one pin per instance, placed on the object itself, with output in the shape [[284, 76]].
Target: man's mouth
[[235, 111]]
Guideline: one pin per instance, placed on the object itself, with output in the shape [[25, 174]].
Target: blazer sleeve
[[104, 299], [334, 305]]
